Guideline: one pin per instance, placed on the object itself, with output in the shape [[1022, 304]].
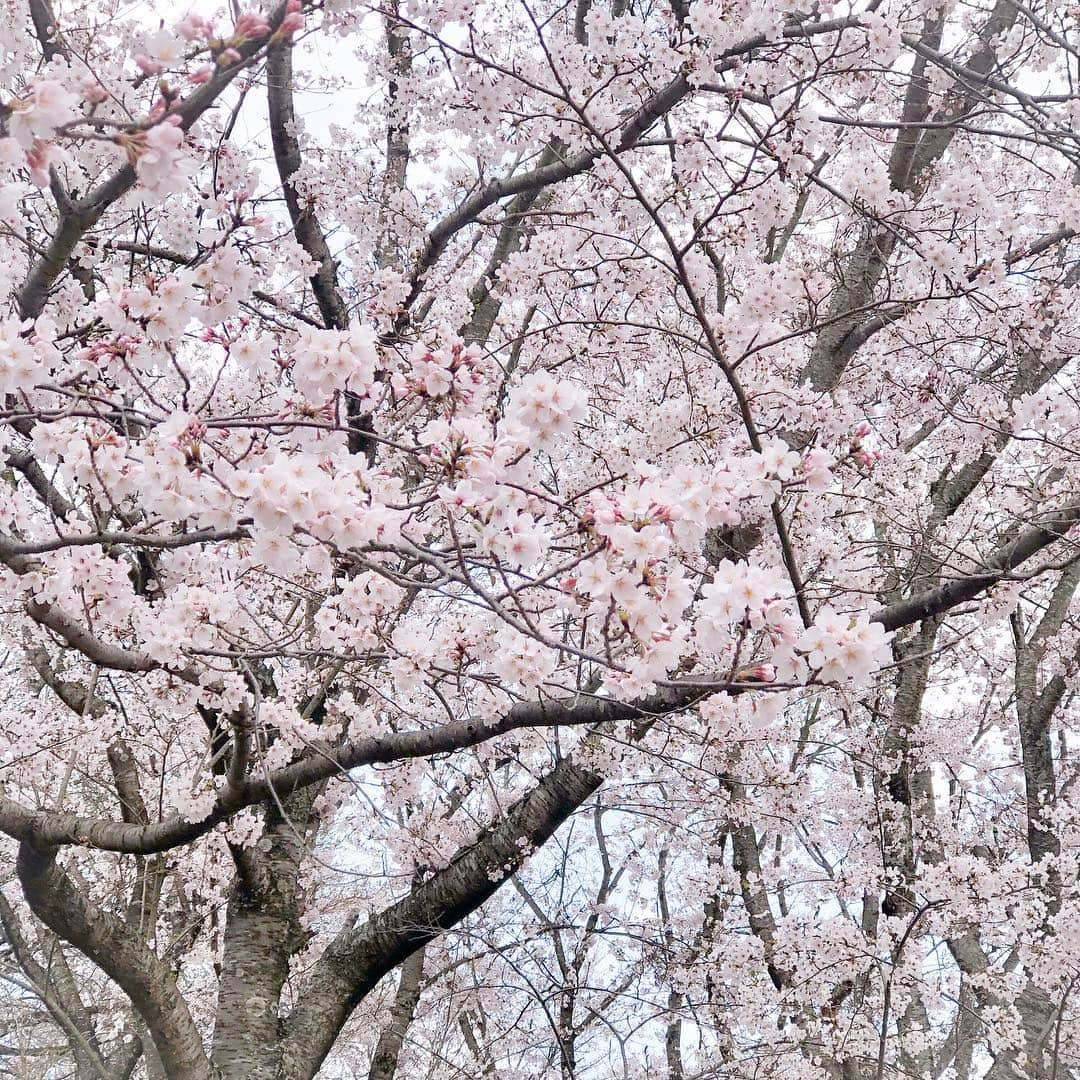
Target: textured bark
[[1034, 713], [358, 958], [261, 933], [254, 965], [309, 234], [673, 1030], [1033, 1005], [109, 943], [747, 864], [908, 788], [965, 1032], [41, 14], [1037, 1014], [1035, 710], [398, 148], [1024, 544], [861, 270], [384, 1062]]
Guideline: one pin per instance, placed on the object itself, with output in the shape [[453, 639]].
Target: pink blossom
[[24, 361], [764, 673], [293, 21], [161, 163], [39, 160], [149, 66], [36, 116], [816, 466], [844, 649], [92, 91], [326, 361], [193, 27], [251, 24], [548, 407]]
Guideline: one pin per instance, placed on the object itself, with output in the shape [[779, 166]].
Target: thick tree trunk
[[261, 933]]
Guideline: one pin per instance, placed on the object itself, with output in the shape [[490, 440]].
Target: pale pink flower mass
[[46, 106], [540, 541]]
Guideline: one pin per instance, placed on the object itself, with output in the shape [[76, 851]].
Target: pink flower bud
[[292, 22], [193, 27], [149, 66], [38, 158], [93, 92], [764, 673], [251, 24]]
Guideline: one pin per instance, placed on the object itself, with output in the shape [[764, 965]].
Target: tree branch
[[358, 958], [998, 566], [103, 938], [47, 828]]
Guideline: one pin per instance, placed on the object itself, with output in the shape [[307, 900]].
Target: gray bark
[[359, 957], [109, 943], [861, 270], [384, 1062]]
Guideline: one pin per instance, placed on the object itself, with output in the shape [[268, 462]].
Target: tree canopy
[[537, 539]]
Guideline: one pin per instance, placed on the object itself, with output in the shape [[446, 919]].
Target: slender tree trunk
[[384, 1062]]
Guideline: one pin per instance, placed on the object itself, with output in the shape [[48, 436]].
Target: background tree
[[536, 539]]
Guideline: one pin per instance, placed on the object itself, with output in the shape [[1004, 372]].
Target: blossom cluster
[[325, 362]]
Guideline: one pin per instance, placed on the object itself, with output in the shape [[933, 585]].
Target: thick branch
[[48, 34], [384, 1061], [1000, 564], [44, 828], [309, 234], [547, 175], [862, 268], [357, 959], [51, 828], [83, 214], [102, 937]]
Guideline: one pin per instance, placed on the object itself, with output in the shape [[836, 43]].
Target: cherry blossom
[[160, 161], [539, 540], [326, 361], [46, 106], [842, 648]]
